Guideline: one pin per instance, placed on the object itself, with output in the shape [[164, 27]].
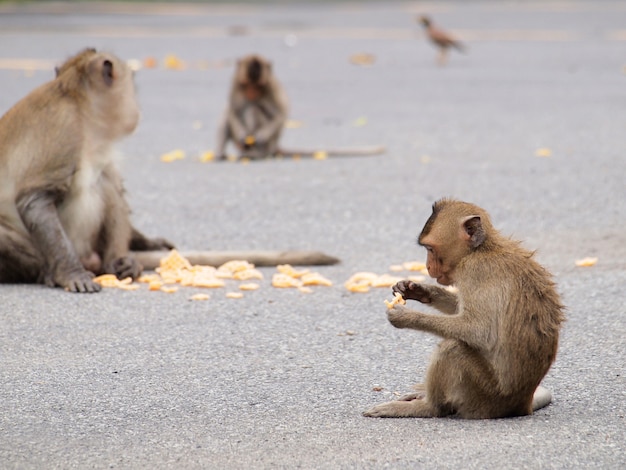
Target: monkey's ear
[[107, 72], [473, 231]]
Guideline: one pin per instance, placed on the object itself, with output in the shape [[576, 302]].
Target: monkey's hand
[[411, 290], [74, 280], [126, 266], [400, 316]]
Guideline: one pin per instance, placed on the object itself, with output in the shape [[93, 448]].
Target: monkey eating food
[[500, 331], [63, 213], [256, 114]]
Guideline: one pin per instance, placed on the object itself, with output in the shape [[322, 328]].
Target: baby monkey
[[256, 113], [500, 331]]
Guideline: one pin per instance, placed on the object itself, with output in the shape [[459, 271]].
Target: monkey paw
[[399, 316], [411, 290], [124, 267], [392, 409]]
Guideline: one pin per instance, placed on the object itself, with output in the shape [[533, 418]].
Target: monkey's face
[[252, 91]]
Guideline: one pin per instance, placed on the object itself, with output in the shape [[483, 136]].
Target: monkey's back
[[526, 319]]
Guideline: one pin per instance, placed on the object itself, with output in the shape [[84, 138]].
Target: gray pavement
[[278, 379]]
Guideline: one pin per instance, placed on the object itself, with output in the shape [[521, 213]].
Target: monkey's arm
[[116, 230], [273, 125], [463, 326], [442, 299], [62, 266]]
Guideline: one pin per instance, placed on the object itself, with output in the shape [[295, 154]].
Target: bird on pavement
[[441, 39]]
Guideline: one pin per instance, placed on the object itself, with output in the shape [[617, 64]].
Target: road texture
[[278, 379]]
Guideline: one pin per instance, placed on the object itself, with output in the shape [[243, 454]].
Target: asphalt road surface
[[279, 378]]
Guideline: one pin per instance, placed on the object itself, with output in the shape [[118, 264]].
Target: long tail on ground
[[151, 259]]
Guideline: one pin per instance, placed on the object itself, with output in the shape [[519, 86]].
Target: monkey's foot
[[401, 409]]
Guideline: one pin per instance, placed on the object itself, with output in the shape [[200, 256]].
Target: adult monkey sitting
[[63, 214], [500, 332]]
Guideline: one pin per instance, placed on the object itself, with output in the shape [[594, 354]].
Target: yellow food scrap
[[169, 289], [199, 297], [283, 280], [289, 270], [172, 156], [396, 267], [249, 140], [110, 280], [362, 276], [586, 262], [148, 278], [207, 156], [305, 290], [234, 295], [385, 280], [360, 122], [247, 274], [397, 299], [150, 62], [249, 286], [417, 279], [362, 59], [235, 265], [173, 62], [414, 266], [320, 155], [543, 152], [315, 279], [174, 261], [360, 287]]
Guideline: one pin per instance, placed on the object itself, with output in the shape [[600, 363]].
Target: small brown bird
[[441, 39]]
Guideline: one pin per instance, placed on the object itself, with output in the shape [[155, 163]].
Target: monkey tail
[[541, 398], [358, 151]]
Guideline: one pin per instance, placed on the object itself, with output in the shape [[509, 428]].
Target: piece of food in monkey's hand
[[249, 140], [586, 262], [397, 299]]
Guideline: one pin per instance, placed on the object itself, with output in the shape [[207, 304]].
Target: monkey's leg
[[443, 56], [459, 380], [62, 266], [414, 408], [139, 242], [116, 231], [19, 261], [222, 138]]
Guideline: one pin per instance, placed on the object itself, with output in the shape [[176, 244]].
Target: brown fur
[[500, 332], [63, 215], [257, 109]]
